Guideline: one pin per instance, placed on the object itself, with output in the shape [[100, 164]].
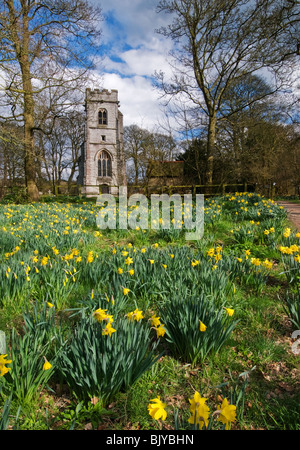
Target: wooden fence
[[207, 190]]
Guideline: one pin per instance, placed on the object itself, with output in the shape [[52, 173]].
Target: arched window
[[104, 164], [102, 117]]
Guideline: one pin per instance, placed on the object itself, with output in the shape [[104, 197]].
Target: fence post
[[2, 343]]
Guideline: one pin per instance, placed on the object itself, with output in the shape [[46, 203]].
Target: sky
[[132, 52]]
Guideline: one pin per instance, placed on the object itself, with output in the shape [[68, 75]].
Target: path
[[293, 210]]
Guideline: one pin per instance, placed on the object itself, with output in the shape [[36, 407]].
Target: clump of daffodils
[[201, 417]]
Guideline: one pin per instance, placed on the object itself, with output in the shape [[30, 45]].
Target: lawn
[[144, 330]]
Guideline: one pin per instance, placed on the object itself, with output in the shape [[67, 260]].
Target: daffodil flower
[[157, 409], [3, 361], [202, 326], [108, 330], [229, 311], [46, 365], [227, 413], [199, 410]]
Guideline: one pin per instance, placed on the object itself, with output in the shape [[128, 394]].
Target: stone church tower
[[102, 163]]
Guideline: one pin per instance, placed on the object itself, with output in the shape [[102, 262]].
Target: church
[[102, 161]]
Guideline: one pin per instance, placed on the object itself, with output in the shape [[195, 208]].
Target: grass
[[267, 394]]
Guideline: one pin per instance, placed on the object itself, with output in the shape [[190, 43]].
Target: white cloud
[[138, 100]]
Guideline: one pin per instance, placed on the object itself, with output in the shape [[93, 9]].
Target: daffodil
[[90, 257], [47, 365], [125, 291], [227, 413], [108, 330], [136, 315], [199, 410], [267, 264], [100, 314], [160, 331], [3, 362], [157, 409], [202, 326], [120, 270], [155, 321], [229, 311]]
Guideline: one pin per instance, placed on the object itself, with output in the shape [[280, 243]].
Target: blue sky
[[132, 51]]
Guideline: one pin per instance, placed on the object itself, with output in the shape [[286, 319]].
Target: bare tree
[[43, 45], [218, 42], [58, 151], [142, 146]]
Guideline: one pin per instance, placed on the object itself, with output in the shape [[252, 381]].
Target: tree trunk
[[210, 149], [30, 172]]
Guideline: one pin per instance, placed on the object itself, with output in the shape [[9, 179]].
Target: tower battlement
[[102, 95]]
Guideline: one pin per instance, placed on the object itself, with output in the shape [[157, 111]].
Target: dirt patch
[[293, 210]]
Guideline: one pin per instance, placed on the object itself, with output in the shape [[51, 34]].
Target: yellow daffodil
[[108, 330], [157, 409], [267, 264], [47, 365], [227, 413], [229, 311], [155, 321], [136, 315], [100, 314], [199, 410], [160, 331], [120, 270], [3, 362], [202, 326], [125, 291], [90, 257], [297, 258]]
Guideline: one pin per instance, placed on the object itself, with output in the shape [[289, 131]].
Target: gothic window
[[102, 117], [104, 164]]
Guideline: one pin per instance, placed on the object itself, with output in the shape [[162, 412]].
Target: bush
[[100, 365]]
